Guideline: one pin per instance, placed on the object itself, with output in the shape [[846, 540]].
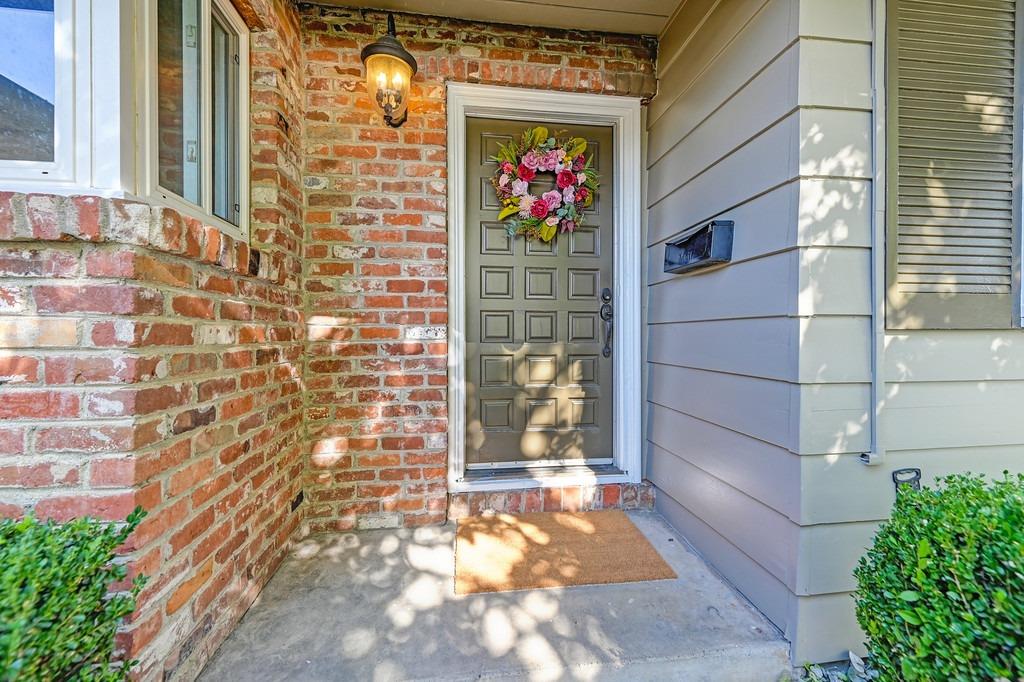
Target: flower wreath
[[540, 217]]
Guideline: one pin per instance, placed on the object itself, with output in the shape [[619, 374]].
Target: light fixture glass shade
[[389, 72], [387, 82]]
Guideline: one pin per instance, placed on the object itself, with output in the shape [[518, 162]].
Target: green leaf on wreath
[[507, 211], [575, 147]]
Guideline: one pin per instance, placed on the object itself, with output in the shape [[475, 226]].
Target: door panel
[[538, 388]]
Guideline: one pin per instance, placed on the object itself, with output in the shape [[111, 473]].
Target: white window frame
[[71, 31], [148, 150]]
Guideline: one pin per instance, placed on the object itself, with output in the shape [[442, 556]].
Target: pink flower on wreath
[[525, 204], [582, 193], [553, 199], [503, 180], [551, 221], [531, 160], [549, 161], [526, 173], [539, 209], [568, 225], [519, 187], [507, 167], [569, 195], [565, 179], [582, 177], [579, 162]]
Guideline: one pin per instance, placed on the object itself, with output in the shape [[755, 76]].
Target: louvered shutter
[[952, 154]]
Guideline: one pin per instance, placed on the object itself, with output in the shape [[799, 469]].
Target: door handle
[[608, 315]]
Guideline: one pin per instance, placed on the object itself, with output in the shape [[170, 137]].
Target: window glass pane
[[225, 121], [26, 80], [178, 120]]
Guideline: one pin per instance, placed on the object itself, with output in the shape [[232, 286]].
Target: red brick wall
[[565, 498], [149, 359], [168, 377], [376, 256]]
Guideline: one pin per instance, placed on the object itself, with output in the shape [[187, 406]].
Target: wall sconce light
[[389, 72]]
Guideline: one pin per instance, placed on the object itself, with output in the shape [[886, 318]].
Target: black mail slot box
[[708, 245]]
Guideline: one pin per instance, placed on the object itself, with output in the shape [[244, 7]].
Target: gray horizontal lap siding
[[722, 360], [758, 372]]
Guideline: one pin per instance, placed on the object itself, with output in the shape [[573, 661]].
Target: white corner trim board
[[622, 114]]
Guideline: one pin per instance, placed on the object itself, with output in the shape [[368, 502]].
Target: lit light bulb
[[389, 72]]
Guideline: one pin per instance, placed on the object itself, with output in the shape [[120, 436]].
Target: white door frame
[[622, 114]]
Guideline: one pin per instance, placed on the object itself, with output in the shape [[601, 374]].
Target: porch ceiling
[[647, 17]]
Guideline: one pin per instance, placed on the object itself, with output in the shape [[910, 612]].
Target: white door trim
[[623, 114]]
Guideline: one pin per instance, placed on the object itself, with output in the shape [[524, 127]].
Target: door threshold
[[482, 480]]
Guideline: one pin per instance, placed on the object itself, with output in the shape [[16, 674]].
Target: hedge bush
[[941, 592], [57, 616]]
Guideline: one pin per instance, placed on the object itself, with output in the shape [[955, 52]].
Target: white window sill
[[67, 189]]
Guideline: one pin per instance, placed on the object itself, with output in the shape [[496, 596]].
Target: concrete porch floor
[[380, 605]]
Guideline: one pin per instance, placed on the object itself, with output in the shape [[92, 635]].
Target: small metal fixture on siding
[[389, 72], [870, 458], [909, 478], [708, 245]]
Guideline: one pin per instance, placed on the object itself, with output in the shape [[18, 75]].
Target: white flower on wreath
[[524, 205]]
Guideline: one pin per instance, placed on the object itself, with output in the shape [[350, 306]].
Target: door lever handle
[[608, 315]]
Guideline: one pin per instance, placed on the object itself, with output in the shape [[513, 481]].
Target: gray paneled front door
[[538, 385]]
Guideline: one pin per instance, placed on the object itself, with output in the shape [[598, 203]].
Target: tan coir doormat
[[552, 549]]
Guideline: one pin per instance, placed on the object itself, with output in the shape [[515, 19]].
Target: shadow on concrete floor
[[381, 605]]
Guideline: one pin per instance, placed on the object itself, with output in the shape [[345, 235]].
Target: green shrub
[[941, 592], [57, 618]]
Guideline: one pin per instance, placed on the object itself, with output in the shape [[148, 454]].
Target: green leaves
[[507, 211], [548, 232], [909, 616], [57, 617], [575, 147], [941, 591]]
